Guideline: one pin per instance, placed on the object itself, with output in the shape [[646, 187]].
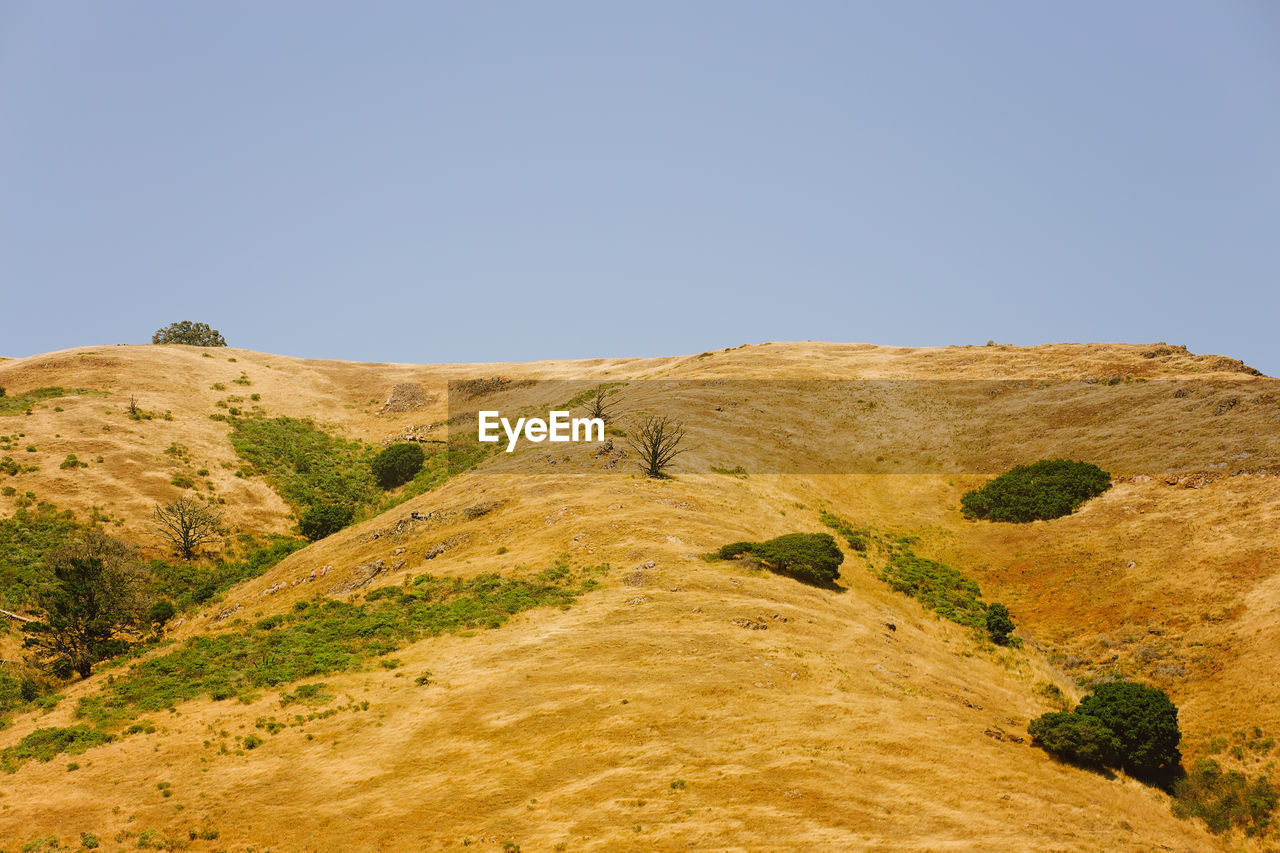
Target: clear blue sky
[[471, 181]]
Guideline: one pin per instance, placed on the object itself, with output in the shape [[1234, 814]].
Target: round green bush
[[397, 465], [1122, 724], [1047, 489], [321, 520], [999, 624], [160, 612], [1145, 722]]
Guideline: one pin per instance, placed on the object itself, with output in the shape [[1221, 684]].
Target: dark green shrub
[[160, 612], [95, 600], [1142, 722], [1145, 722], [999, 624], [15, 692], [1043, 490], [814, 557], [1223, 800], [398, 464], [321, 520], [810, 557], [1077, 738]]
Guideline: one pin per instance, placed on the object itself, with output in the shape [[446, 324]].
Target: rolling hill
[[634, 694]]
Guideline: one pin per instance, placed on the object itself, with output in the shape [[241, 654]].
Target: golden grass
[[828, 730]]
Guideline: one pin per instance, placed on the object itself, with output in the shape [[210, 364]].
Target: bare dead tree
[[656, 442], [187, 524], [598, 405]]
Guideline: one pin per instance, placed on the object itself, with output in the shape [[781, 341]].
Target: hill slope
[[692, 703]]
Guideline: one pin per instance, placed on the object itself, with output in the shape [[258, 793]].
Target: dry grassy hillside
[[688, 704]]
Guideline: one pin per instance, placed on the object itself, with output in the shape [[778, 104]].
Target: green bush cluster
[[1042, 490], [936, 585], [1077, 738], [397, 464], [18, 692], [1226, 799], [95, 597], [29, 537], [811, 557], [1122, 724]]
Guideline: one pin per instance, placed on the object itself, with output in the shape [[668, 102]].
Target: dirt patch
[[405, 397]]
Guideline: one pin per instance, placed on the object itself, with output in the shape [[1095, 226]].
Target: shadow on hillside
[[829, 586]]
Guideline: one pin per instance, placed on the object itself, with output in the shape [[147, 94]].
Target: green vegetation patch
[[1226, 799], [20, 403], [29, 536], [938, 586], [942, 588], [26, 538], [305, 464], [810, 557], [20, 692], [857, 537], [330, 482], [45, 744], [1040, 491], [188, 584], [332, 636], [1077, 738], [461, 453]]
